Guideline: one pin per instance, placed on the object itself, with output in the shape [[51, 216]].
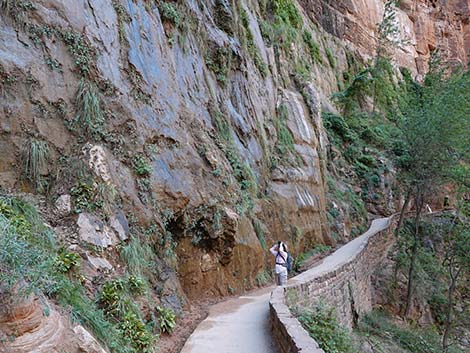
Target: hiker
[[279, 250]]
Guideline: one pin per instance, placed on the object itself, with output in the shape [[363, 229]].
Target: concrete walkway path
[[239, 325]]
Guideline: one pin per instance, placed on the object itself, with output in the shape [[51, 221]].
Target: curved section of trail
[[241, 325]]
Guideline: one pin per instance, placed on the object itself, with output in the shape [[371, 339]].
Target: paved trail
[[241, 325]]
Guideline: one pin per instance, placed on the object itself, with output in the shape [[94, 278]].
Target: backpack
[[289, 262]]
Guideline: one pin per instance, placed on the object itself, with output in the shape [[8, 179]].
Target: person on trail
[[279, 250]]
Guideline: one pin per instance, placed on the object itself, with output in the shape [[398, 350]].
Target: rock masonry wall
[[342, 281]]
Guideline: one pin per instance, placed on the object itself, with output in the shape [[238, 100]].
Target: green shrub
[[141, 166], [82, 52], [166, 319], [136, 285], [285, 140], [29, 260], [313, 47], [287, 12], [219, 60], [321, 323], [135, 330], [263, 278], [84, 198], [66, 261], [170, 13], [413, 339], [330, 57], [138, 256], [251, 45]]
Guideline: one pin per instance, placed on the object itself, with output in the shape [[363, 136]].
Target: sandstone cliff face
[[195, 106], [424, 25]]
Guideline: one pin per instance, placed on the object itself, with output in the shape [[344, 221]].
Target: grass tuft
[[90, 116], [34, 154]]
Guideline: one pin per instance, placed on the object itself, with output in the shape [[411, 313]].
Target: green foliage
[[166, 319], [330, 57], [251, 45], [34, 155], [141, 166], [412, 339], [85, 198], [28, 263], [66, 261], [135, 330], [137, 285], [82, 52], [259, 232], [321, 323], [138, 256], [90, 116], [318, 249], [17, 9], [313, 47], [285, 140], [123, 17], [170, 13], [115, 298], [219, 60], [286, 11], [241, 170], [263, 278]]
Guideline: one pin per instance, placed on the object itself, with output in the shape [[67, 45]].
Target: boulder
[[119, 224], [86, 341], [98, 263], [94, 231], [63, 205]]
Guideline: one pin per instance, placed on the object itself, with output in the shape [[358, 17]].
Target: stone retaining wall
[[342, 280]]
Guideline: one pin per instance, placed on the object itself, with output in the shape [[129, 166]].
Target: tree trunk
[[403, 211], [450, 305], [397, 229], [414, 252], [411, 271]]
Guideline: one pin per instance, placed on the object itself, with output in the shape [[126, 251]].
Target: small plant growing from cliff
[[84, 198], [90, 116], [136, 285], [259, 232], [133, 328], [141, 166], [170, 13], [219, 60], [166, 319], [82, 52], [17, 9], [251, 45], [313, 47], [330, 57], [123, 17], [66, 261], [34, 155]]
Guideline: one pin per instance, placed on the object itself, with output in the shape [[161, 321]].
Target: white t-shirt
[[281, 258]]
